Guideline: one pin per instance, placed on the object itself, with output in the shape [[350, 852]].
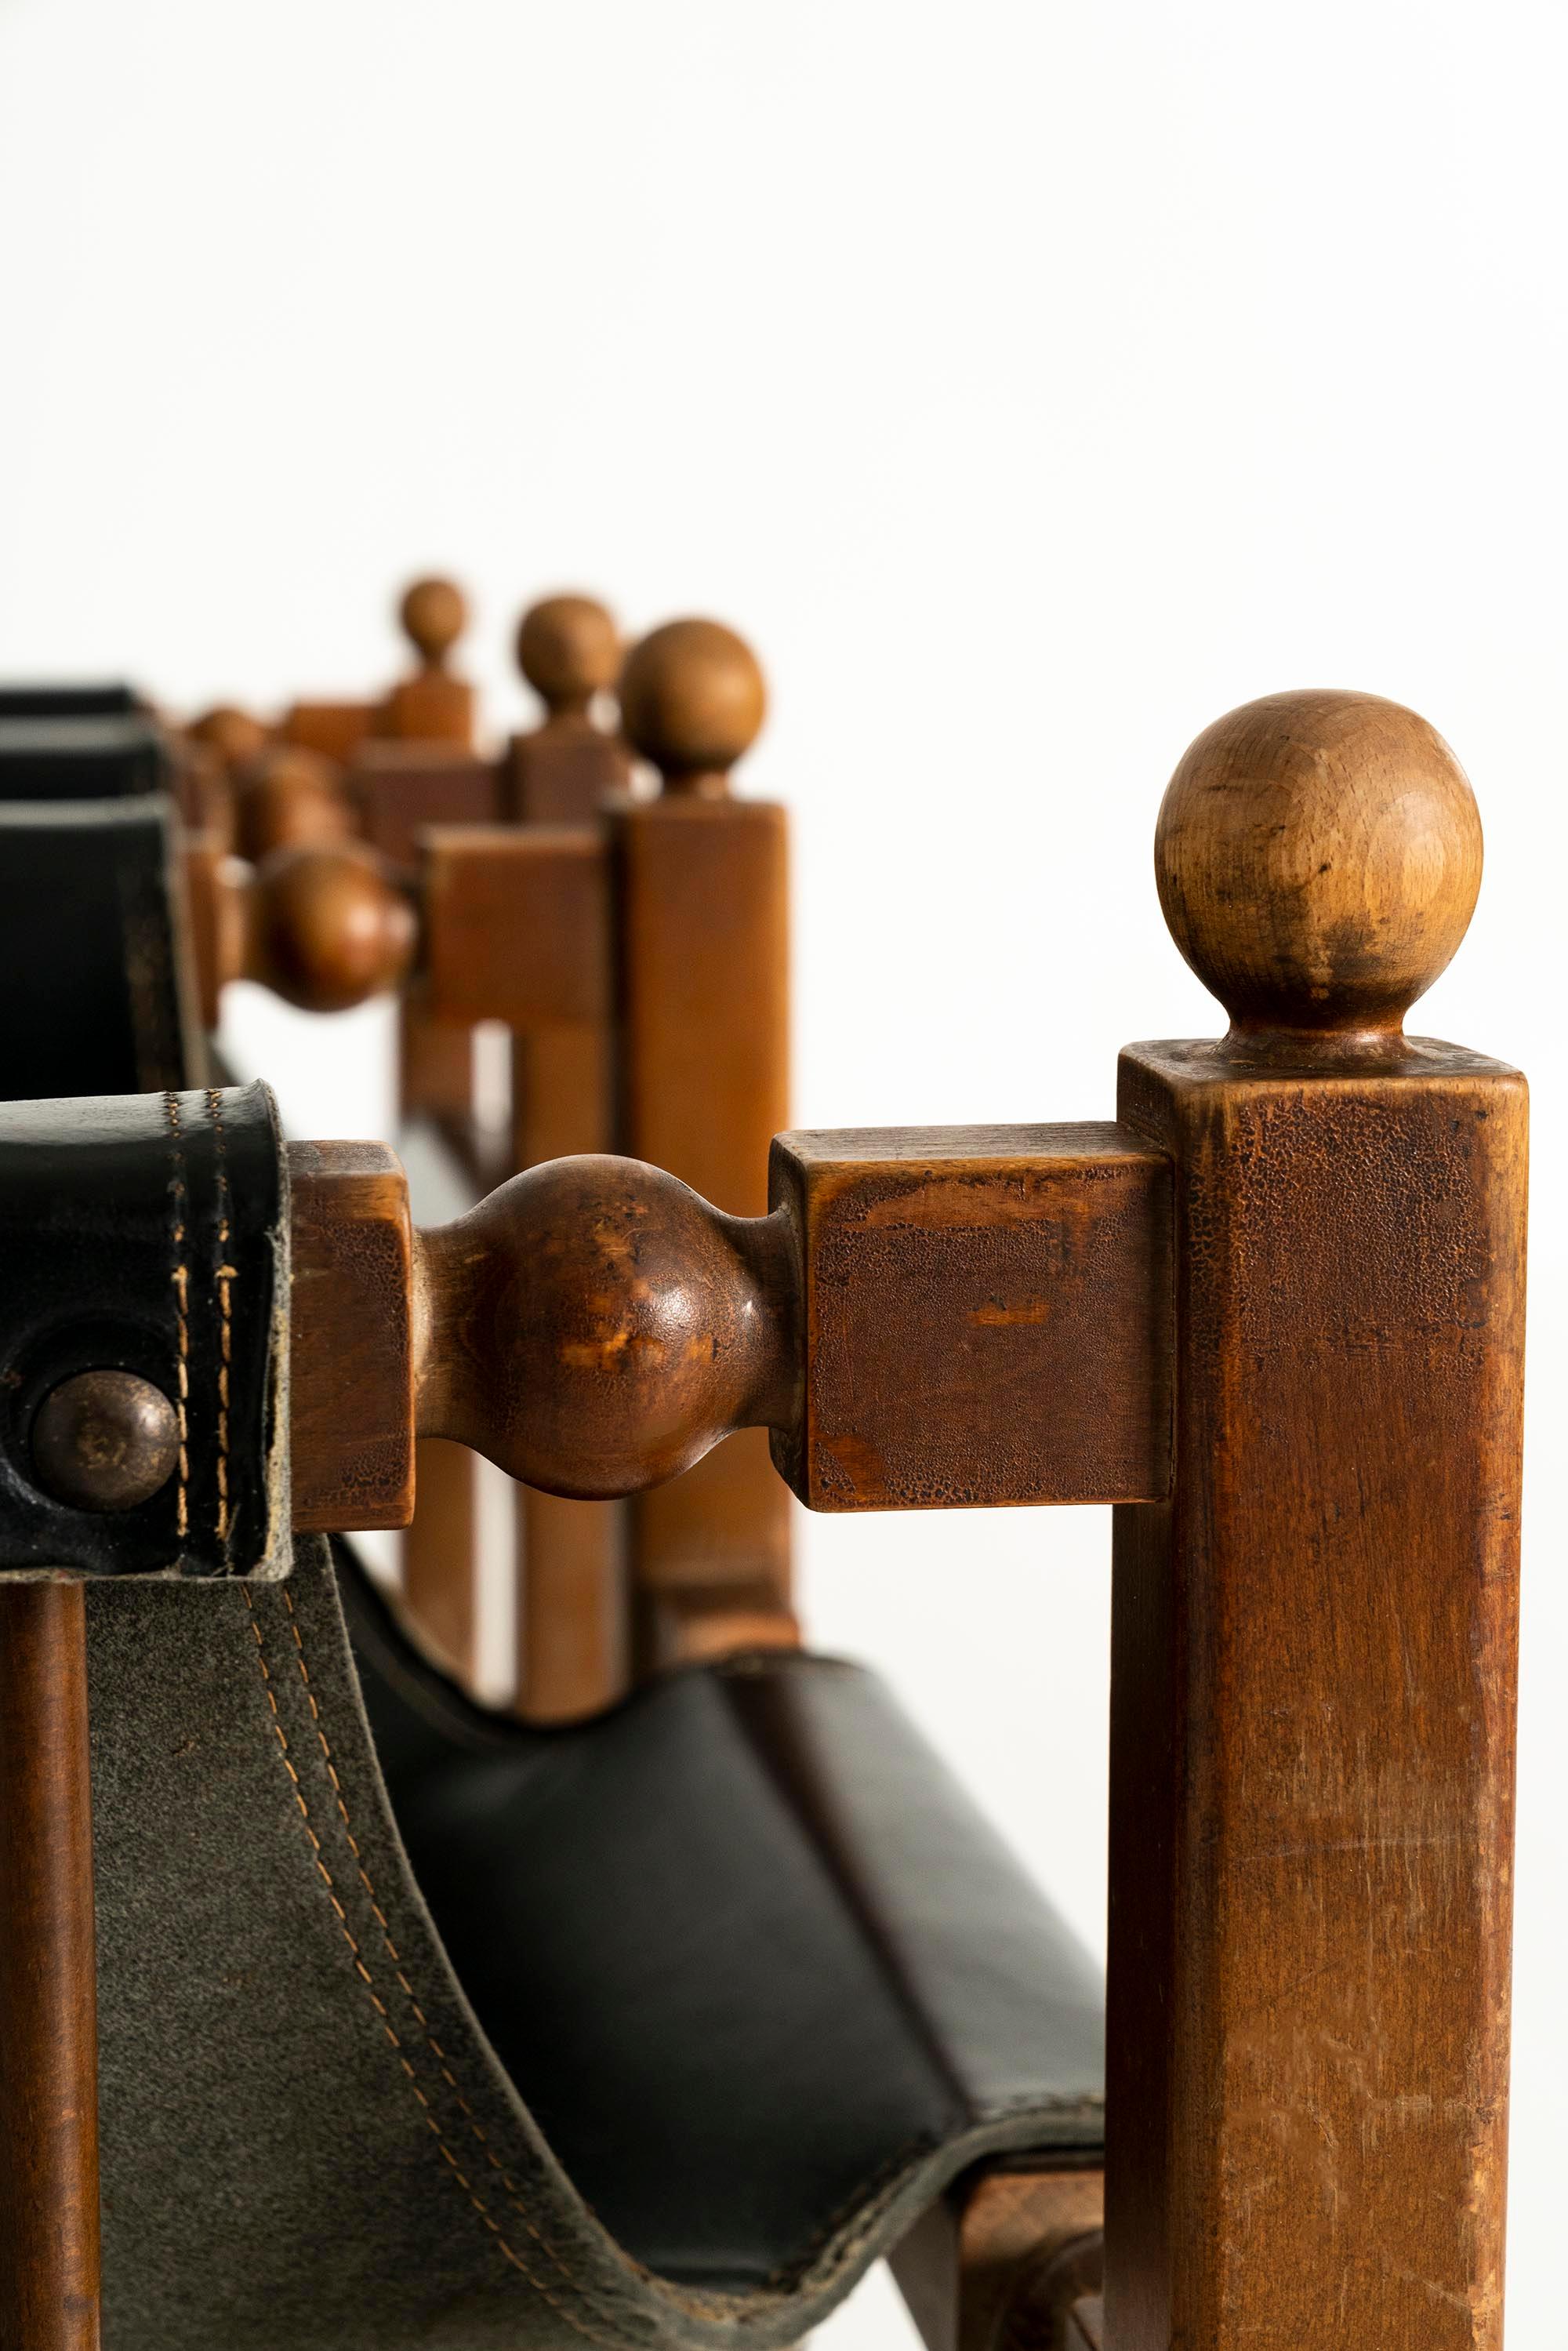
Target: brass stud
[[105, 1440]]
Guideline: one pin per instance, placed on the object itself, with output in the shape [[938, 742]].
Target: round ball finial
[[433, 613], [231, 733], [569, 649], [1318, 856], [328, 927], [692, 699]]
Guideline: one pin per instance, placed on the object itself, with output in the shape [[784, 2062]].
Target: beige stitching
[[609, 2343], [226, 1275], [513, 2192], [182, 1279]]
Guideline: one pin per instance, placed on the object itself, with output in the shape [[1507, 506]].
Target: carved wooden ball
[[593, 1327], [569, 649], [434, 614], [287, 798], [328, 927], [232, 734], [1318, 856], [692, 699]]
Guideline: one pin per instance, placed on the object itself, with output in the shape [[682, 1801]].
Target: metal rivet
[[105, 1441]]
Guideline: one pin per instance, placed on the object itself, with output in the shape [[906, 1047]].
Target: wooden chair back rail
[[1276, 1314]]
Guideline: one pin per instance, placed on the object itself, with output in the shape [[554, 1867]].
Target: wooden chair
[[1273, 1312], [141, 1459], [639, 965]]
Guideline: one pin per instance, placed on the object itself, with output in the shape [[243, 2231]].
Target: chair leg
[[1004, 2261], [48, 2015]]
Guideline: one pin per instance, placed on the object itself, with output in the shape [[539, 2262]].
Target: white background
[[1032, 382]]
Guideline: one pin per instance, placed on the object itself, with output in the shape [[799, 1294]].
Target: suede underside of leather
[[744, 1945], [769, 1978], [309, 2141]]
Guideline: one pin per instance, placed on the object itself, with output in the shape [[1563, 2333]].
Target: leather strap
[[307, 2139], [80, 756], [148, 1233], [96, 996], [103, 701]]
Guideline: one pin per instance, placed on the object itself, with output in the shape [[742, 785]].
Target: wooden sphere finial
[[1318, 856], [433, 613], [328, 928], [569, 649], [692, 699], [231, 733]]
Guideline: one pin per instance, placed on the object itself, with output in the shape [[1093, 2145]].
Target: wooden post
[[998, 2262], [432, 706], [1314, 1646], [48, 2019], [569, 649], [703, 914], [573, 1633]]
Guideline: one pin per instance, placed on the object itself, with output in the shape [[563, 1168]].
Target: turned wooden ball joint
[[1318, 857], [595, 1327], [326, 928]]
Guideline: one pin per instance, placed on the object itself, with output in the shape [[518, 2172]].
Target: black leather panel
[[74, 758], [95, 1002], [148, 1233], [743, 1945], [103, 701]]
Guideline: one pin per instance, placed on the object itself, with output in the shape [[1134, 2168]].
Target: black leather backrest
[[81, 758], [95, 998], [42, 701]]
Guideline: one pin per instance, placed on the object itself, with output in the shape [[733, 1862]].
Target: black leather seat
[[748, 1921]]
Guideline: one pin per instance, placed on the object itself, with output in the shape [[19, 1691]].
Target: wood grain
[[516, 926], [396, 789], [594, 1326], [50, 2267], [704, 905], [1313, 1643], [1312, 1714], [432, 706], [324, 928], [1318, 857], [352, 1337], [573, 1600], [562, 771], [437, 1595], [985, 1316], [997, 2262], [335, 729]]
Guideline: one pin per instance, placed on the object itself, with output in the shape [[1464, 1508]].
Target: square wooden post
[[701, 883], [1313, 1644]]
